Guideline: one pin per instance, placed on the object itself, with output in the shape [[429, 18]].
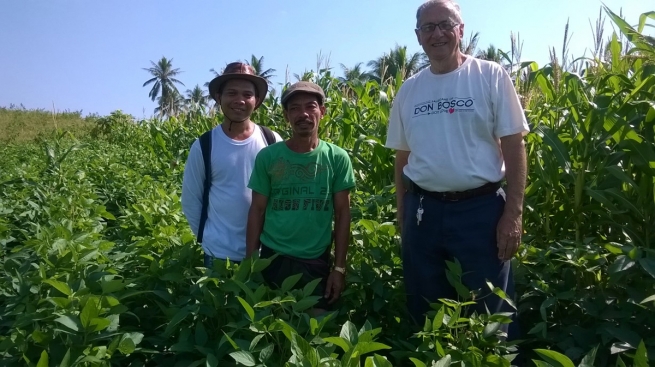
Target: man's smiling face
[[238, 99], [439, 33]]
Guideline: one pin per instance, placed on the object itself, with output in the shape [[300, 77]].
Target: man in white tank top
[[457, 128], [234, 146]]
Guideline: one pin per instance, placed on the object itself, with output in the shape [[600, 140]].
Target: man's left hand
[[508, 235], [335, 285]]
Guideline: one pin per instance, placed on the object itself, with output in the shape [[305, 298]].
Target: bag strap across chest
[[206, 148]]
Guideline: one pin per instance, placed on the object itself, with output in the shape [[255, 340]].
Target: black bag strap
[[206, 147], [268, 135]]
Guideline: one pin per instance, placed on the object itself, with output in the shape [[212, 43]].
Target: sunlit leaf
[[44, 360], [554, 358], [443, 362], [266, 353], [588, 360], [211, 361], [60, 286], [641, 356], [339, 341], [126, 346], [377, 361], [248, 308], [622, 263], [69, 322], [244, 357]]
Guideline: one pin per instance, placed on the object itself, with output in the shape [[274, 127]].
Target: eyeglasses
[[430, 27]]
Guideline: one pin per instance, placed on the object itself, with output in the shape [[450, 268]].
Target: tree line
[[398, 61]]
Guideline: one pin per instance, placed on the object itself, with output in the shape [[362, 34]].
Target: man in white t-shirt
[[457, 128], [234, 145]]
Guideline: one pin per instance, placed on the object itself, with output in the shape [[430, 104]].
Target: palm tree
[[469, 47], [424, 61], [306, 76], [213, 71], [490, 54], [196, 98], [352, 77], [170, 104], [258, 65], [163, 78], [354, 74], [396, 61]]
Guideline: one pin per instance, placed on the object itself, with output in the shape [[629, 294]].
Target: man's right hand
[[255, 222], [402, 157]]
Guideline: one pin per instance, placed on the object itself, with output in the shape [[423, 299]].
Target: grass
[[20, 125]]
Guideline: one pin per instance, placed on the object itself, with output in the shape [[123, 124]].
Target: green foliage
[[589, 207], [99, 267]]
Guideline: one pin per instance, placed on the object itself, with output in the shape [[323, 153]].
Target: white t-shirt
[[229, 197], [452, 124]]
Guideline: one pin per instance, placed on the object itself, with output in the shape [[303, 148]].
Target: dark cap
[[239, 70], [302, 87]]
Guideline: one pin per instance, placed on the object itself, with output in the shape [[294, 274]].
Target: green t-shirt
[[300, 188]]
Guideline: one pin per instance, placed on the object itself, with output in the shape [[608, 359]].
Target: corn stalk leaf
[[559, 150]]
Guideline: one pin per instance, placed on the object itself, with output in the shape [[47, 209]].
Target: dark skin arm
[[510, 226], [336, 281], [255, 222], [402, 156]]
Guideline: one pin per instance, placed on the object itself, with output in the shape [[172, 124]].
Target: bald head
[[451, 4]]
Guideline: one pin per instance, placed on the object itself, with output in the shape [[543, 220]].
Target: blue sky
[[88, 55]]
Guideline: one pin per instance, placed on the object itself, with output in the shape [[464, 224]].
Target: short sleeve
[[344, 178], [396, 131], [509, 116], [260, 181]]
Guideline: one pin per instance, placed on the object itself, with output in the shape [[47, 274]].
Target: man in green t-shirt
[[298, 187]]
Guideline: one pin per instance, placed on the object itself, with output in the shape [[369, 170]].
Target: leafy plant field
[[99, 267]]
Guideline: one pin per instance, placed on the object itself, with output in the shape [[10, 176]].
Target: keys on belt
[[419, 211]]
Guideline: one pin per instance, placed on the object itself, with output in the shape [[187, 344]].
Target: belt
[[485, 189]]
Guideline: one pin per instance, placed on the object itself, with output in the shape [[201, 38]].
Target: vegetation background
[[99, 267]]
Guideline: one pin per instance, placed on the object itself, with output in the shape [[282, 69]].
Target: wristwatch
[[340, 270]]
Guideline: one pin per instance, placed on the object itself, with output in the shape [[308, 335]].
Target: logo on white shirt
[[444, 105]]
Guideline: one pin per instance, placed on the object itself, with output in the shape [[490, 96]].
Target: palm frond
[[163, 78], [149, 81]]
